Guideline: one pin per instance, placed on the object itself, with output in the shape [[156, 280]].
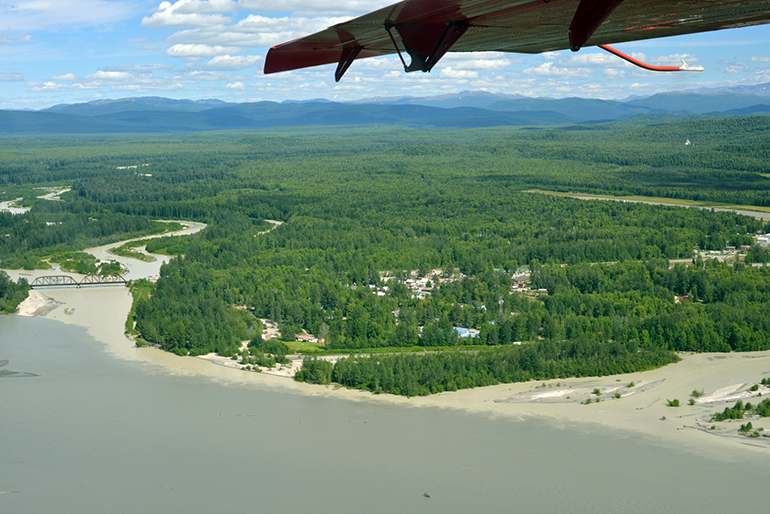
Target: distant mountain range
[[700, 101], [757, 89], [461, 110]]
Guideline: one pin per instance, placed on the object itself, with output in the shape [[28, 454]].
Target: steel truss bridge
[[66, 280]]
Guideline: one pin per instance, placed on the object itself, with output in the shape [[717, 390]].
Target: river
[[95, 433], [106, 427], [7, 207]]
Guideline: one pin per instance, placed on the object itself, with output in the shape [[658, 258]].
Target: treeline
[[12, 293], [191, 314], [423, 374]]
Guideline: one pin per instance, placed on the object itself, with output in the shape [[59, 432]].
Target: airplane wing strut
[[411, 38]]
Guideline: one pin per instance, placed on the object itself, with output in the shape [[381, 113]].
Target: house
[[520, 278], [466, 332], [306, 338]]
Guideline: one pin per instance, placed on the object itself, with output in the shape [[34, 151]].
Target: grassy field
[[304, 348]]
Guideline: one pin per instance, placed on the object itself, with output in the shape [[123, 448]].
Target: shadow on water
[[4, 373]]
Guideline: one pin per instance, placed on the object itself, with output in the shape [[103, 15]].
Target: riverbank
[[36, 304]]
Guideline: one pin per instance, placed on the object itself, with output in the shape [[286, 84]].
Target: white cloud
[[198, 50], [144, 44], [139, 88], [593, 59], [234, 62], [11, 76], [68, 77], [760, 59], [449, 73], [50, 86], [235, 85], [110, 75], [614, 73], [190, 13], [257, 23], [139, 67], [204, 6], [479, 64], [108, 81], [547, 69], [138, 80], [735, 69], [253, 31], [195, 77], [9, 38]]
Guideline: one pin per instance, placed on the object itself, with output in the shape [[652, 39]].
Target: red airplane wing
[[426, 29]]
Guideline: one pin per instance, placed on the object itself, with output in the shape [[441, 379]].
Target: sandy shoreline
[[36, 304]]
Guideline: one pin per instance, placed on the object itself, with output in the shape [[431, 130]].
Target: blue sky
[[67, 51]]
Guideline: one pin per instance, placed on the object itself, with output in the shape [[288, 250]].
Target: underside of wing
[[424, 30]]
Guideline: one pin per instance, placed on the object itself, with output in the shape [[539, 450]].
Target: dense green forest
[[362, 204], [11, 293], [435, 372]]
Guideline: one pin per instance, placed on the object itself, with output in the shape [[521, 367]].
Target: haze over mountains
[[460, 110]]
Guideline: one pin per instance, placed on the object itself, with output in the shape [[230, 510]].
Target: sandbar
[[36, 304]]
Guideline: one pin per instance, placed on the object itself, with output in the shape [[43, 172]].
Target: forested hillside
[[359, 205]]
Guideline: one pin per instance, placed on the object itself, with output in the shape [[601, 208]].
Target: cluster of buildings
[[520, 283], [419, 286]]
